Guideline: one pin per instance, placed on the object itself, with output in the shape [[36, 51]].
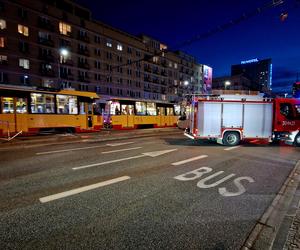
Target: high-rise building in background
[[259, 72], [56, 44]]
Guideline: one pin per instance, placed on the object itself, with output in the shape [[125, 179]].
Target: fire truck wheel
[[297, 140], [231, 138]]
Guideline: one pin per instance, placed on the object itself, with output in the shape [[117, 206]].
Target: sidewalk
[[290, 228], [279, 227], [104, 135]]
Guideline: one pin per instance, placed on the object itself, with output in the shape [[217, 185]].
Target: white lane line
[[67, 150], [82, 189], [118, 144], [189, 160], [254, 141], [119, 150], [231, 148], [108, 162]]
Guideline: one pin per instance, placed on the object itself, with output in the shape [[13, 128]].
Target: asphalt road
[[164, 192]]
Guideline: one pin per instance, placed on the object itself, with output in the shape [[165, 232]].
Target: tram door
[[13, 114], [161, 112], [90, 115], [128, 110]]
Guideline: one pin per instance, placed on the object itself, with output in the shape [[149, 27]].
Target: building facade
[[56, 44], [259, 72], [237, 82]]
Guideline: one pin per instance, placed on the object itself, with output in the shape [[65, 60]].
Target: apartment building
[[57, 44]]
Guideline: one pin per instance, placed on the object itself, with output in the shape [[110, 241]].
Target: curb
[[86, 140], [266, 229]]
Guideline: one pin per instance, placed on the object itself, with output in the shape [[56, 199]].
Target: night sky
[[173, 22]]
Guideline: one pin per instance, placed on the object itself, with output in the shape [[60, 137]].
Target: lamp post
[[63, 53], [227, 84]]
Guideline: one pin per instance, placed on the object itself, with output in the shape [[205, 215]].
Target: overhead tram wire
[[218, 29]]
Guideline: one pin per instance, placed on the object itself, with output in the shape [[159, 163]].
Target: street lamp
[[63, 53], [186, 83], [227, 84]]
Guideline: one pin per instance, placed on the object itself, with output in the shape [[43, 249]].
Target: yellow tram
[[32, 110], [126, 113]]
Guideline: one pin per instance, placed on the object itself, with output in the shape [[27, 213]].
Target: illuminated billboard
[[207, 79]]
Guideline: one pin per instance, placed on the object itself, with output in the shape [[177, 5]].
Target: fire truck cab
[[228, 119], [286, 124]]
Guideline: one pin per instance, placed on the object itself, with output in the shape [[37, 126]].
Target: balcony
[[148, 69], [156, 80], [147, 79], [44, 24], [68, 62], [83, 65], [67, 76], [164, 64], [65, 44], [83, 38], [84, 52], [156, 71], [164, 73], [3, 62], [45, 72], [84, 79], [47, 42], [46, 57]]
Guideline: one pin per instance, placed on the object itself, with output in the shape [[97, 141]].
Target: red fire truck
[[228, 119]]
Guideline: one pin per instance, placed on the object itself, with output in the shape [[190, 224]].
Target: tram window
[[151, 108], [67, 104], [42, 103], [21, 105], [7, 105], [160, 110], [286, 110], [115, 108], [127, 109], [81, 107], [177, 109], [140, 108], [170, 111]]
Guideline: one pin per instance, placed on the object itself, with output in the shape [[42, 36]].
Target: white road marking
[[82, 189], [158, 153], [108, 162], [119, 150], [151, 154], [231, 148], [67, 150], [189, 160], [254, 141], [118, 144]]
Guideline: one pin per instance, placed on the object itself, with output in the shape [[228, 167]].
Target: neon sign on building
[[250, 61]]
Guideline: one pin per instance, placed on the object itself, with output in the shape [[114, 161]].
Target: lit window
[[119, 47], [42, 103], [109, 43], [7, 105], [3, 58], [2, 42], [65, 29], [24, 63], [175, 65], [151, 108], [23, 30], [140, 108], [67, 104], [21, 105], [2, 24]]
